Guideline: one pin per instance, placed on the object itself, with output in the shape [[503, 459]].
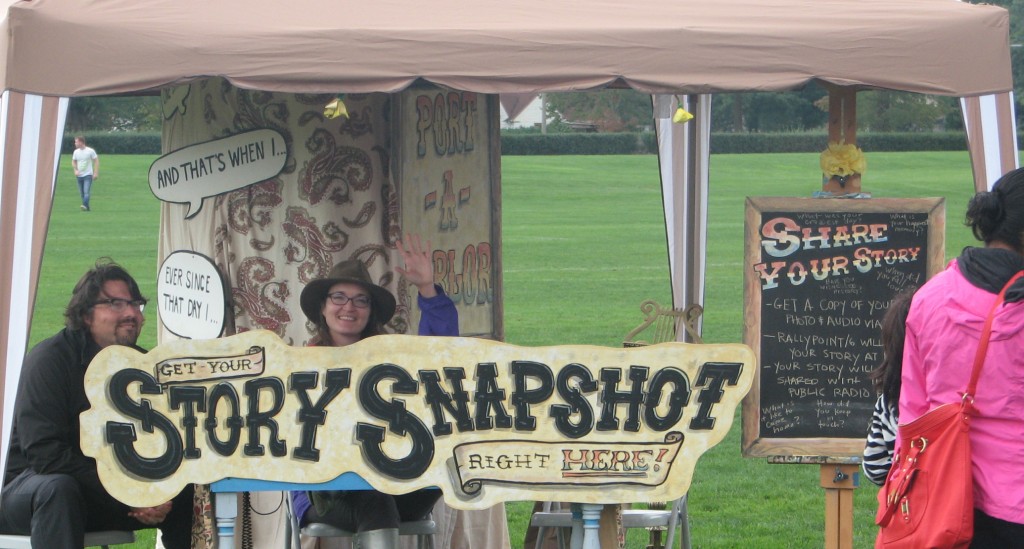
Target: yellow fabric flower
[[682, 116], [335, 109], [842, 160]]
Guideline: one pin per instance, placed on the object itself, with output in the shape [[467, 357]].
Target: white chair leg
[[225, 509], [576, 541], [591, 525]]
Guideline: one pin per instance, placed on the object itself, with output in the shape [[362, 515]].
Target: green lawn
[[584, 244]]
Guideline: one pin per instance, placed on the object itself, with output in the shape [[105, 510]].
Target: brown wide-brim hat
[[352, 271]]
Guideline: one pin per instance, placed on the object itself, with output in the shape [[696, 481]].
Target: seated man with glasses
[[52, 491]]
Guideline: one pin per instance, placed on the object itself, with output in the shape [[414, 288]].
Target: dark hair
[[998, 215], [886, 377], [89, 287], [80, 138], [322, 333]]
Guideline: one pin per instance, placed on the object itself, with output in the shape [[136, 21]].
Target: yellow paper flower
[[336, 108], [842, 160], [682, 116]]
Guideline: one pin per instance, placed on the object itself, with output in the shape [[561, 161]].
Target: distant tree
[[768, 111], [111, 114], [630, 110], [890, 111]]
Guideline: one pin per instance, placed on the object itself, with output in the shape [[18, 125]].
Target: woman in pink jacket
[[943, 330]]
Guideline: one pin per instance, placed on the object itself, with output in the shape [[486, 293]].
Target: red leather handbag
[[928, 497]]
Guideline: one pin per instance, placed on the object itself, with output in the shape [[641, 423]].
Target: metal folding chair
[[660, 325], [668, 520], [424, 530]]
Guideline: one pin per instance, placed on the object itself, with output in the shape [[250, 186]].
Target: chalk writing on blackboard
[[818, 286]]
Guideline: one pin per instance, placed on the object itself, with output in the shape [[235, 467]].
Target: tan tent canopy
[[55, 49], [98, 47]]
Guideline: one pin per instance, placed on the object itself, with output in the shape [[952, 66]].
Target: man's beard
[[127, 333]]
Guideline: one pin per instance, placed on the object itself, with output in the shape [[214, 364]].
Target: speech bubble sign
[[190, 295], [188, 175]]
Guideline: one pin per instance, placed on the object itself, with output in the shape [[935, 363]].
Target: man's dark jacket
[[51, 395]]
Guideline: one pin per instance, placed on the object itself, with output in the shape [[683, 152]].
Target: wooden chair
[[92, 539], [424, 530]]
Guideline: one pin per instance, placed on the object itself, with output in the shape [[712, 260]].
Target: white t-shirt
[[83, 158]]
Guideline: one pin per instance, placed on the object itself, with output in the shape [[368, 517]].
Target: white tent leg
[[31, 127], [684, 157], [991, 136]]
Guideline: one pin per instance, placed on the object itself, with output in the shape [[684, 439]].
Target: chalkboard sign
[[819, 276]]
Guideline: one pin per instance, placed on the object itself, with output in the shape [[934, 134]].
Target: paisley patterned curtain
[[333, 200]]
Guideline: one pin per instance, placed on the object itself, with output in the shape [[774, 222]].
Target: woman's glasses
[[339, 299]]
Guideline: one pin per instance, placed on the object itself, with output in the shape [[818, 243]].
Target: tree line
[[803, 110], [769, 112]]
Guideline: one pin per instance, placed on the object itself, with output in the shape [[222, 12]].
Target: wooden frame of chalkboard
[[818, 277]]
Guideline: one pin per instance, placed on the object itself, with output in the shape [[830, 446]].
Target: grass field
[[583, 245]]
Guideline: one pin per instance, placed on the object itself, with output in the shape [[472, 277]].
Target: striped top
[[881, 441]]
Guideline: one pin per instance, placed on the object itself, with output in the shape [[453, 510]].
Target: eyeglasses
[[118, 305], [339, 299]]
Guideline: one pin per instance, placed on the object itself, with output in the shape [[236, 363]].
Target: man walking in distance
[[87, 168], [52, 491]]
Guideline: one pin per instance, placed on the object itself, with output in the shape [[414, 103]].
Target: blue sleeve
[[438, 315], [300, 504]]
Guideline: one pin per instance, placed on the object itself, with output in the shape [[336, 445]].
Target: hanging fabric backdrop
[[334, 199]]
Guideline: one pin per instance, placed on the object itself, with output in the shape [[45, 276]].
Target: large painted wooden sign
[[484, 421], [449, 171]]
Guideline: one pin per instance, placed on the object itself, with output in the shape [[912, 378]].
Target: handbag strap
[[986, 333]]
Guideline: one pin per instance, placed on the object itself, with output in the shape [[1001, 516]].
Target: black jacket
[[990, 269], [51, 395]]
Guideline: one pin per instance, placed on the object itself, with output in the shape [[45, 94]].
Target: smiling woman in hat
[[346, 306]]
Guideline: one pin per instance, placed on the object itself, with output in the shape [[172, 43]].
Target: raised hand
[[419, 270]]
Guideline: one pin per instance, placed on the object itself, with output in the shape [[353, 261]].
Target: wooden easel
[[839, 482], [839, 476], [842, 128]]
